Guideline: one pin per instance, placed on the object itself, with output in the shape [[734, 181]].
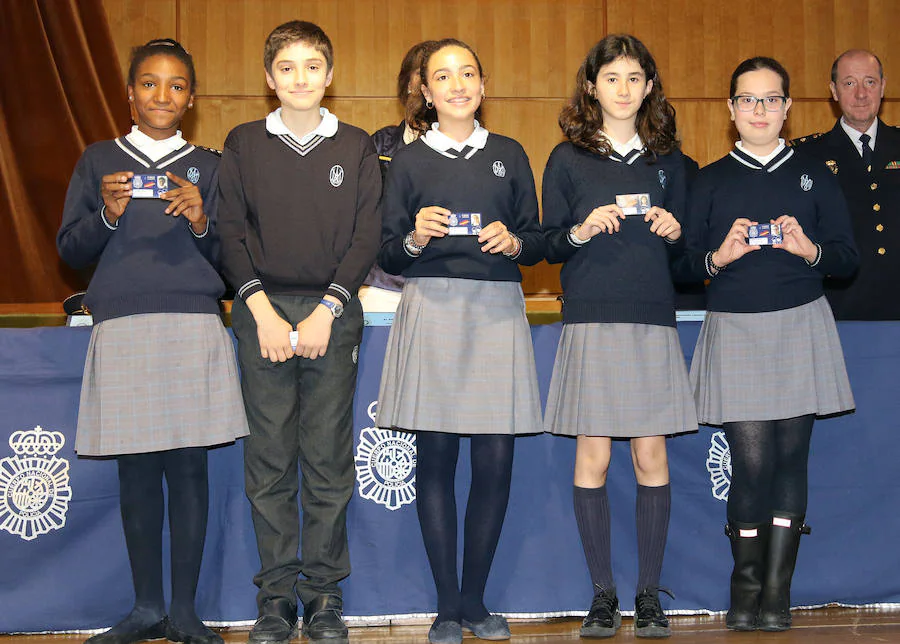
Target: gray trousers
[[300, 414]]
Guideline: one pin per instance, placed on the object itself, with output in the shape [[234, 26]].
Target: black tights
[[141, 499], [768, 467], [492, 457]]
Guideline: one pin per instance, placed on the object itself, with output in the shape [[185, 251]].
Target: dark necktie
[[866, 151]]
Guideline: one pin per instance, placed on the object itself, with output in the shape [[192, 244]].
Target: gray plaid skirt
[[770, 366], [460, 360], [621, 380], [159, 381]]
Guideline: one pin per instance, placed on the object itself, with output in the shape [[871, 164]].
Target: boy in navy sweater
[[300, 222]]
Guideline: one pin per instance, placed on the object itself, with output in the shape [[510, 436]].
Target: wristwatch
[[336, 308]]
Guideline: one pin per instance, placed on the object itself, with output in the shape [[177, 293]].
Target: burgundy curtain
[[60, 89]]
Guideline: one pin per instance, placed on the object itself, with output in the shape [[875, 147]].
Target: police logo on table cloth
[[193, 174], [336, 175], [499, 169], [386, 465], [34, 484], [718, 464], [806, 183]]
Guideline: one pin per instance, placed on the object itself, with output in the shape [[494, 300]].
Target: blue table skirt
[[63, 563]]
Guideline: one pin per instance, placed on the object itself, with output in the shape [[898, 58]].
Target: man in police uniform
[[864, 153]]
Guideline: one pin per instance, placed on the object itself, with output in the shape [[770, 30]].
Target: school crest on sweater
[[34, 484], [386, 465]]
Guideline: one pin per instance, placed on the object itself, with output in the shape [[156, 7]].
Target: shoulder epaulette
[[218, 153], [803, 139]]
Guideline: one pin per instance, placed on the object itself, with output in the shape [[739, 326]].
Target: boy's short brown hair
[[293, 32]]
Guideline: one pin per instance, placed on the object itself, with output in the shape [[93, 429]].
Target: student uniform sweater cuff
[[339, 292], [249, 288]]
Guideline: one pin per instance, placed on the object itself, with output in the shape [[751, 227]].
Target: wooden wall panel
[[134, 22], [530, 49], [527, 50], [698, 43]]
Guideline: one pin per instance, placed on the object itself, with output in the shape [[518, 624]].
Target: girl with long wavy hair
[[613, 197]]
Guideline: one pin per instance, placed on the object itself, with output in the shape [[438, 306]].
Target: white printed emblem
[[34, 484], [806, 183], [499, 169], [355, 354], [386, 465], [193, 174], [662, 178], [336, 175], [718, 464]]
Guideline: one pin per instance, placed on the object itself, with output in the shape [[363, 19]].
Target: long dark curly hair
[[419, 116], [582, 119]]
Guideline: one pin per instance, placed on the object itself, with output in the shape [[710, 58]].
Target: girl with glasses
[[766, 224]]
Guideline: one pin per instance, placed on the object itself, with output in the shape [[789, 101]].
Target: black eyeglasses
[[746, 103]]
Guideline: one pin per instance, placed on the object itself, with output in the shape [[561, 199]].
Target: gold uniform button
[[879, 227], [874, 186], [876, 207], [881, 251]]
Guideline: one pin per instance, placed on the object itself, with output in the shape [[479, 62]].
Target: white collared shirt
[[328, 127], [763, 160], [153, 149], [855, 134], [440, 142], [624, 149]]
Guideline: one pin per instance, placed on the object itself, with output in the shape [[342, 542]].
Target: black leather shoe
[[174, 634], [322, 621], [649, 618], [277, 622], [604, 618], [156, 631]]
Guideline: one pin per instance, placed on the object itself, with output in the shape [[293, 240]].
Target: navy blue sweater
[[496, 182], [148, 262], [768, 279], [623, 277], [299, 220]]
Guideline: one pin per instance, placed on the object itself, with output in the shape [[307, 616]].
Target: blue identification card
[[149, 186], [764, 235], [464, 223]]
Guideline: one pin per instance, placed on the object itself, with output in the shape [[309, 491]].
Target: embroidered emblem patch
[[336, 175], [193, 174], [806, 183], [662, 178], [34, 484], [385, 463], [718, 464], [499, 169]]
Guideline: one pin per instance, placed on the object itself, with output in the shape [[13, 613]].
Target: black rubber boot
[[784, 541], [748, 548]]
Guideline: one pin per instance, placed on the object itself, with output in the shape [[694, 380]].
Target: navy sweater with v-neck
[[769, 279], [148, 262], [495, 182]]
